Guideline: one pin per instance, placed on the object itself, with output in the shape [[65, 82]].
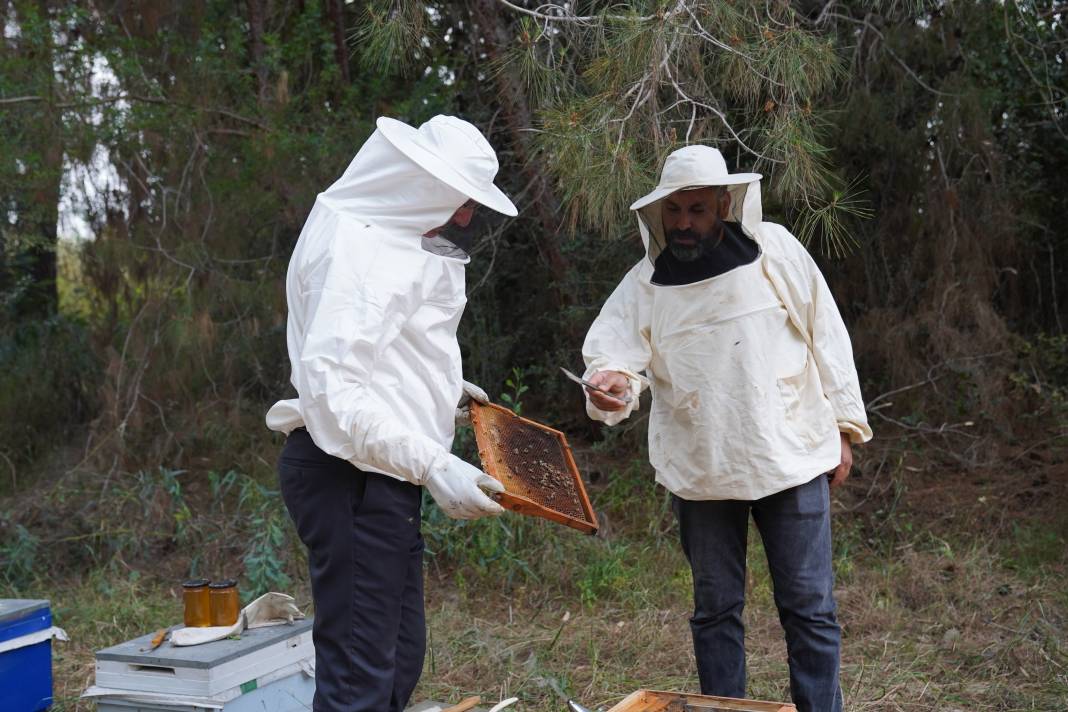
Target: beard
[[703, 243]]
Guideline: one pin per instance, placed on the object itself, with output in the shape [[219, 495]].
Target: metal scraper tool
[[626, 397]]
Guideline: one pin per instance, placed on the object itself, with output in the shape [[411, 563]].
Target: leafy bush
[[18, 554], [268, 535], [48, 380]]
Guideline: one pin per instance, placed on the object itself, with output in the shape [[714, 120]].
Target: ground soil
[[950, 590]]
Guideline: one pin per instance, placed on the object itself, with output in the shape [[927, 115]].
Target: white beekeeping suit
[[373, 315], [751, 371]]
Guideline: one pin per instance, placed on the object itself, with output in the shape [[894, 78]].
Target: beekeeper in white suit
[[754, 398], [375, 290]]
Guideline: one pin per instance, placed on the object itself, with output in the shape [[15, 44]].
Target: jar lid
[[224, 583], [195, 583]]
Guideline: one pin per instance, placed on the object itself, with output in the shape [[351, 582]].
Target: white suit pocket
[[806, 410]]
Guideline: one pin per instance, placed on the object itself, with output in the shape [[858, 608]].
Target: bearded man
[[755, 404]]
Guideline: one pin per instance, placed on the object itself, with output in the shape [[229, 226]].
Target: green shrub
[[18, 554], [268, 530], [48, 382]]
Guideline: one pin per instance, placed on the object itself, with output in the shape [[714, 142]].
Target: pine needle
[[389, 31], [826, 221]]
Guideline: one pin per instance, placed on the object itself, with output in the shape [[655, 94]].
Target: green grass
[[937, 624], [1036, 547], [945, 602], [108, 606]]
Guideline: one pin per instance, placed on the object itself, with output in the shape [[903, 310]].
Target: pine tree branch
[[722, 117], [1045, 88], [20, 99], [143, 99], [642, 97], [706, 36], [825, 12], [588, 19], [551, 18], [886, 46]]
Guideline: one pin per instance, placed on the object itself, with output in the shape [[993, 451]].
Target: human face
[[692, 220], [461, 218]]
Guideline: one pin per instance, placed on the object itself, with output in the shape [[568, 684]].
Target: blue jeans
[[795, 526]]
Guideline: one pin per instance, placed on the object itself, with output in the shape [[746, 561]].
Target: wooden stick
[[464, 704]]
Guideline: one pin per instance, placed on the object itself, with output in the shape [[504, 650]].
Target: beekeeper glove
[[463, 408], [271, 609], [455, 484]]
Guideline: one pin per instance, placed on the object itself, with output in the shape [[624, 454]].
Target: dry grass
[[950, 589]]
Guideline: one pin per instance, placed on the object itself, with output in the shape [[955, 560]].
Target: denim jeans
[[365, 558], [795, 526]]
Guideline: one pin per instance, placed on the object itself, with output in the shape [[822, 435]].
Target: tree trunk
[[341, 52], [42, 299], [518, 118], [7, 48], [257, 48]]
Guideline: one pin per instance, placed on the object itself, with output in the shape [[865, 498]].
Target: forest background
[[157, 160]]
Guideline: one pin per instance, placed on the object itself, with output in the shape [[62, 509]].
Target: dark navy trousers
[[795, 526], [365, 557]]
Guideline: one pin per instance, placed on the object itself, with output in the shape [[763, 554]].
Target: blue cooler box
[[26, 670]]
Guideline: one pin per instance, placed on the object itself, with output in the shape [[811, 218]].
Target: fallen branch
[[138, 98]]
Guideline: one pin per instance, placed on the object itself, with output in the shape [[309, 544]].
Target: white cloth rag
[[269, 609]]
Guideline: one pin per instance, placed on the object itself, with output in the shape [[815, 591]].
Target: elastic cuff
[[858, 433], [611, 417], [637, 384], [438, 464]]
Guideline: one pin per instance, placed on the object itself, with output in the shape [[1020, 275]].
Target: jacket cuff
[[638, 383], [857, 432], [611, 417], [849, 413]]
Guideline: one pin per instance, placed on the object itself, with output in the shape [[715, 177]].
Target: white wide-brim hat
[[693, 167], [456, 153]]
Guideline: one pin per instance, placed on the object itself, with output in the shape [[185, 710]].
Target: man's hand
[[842, 471], [615, 383]]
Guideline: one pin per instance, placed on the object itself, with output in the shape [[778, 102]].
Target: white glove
[[463, 408], [455, 487], [271, 609]]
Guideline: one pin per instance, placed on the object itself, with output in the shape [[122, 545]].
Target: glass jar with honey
[[224, 602], [197, 603]]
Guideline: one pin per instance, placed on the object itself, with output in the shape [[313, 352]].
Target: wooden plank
[[660, 701], [464, 705], [587, 507], [634, 702]]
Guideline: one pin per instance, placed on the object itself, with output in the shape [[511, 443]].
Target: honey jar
[[224, 602], [197, 603]]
